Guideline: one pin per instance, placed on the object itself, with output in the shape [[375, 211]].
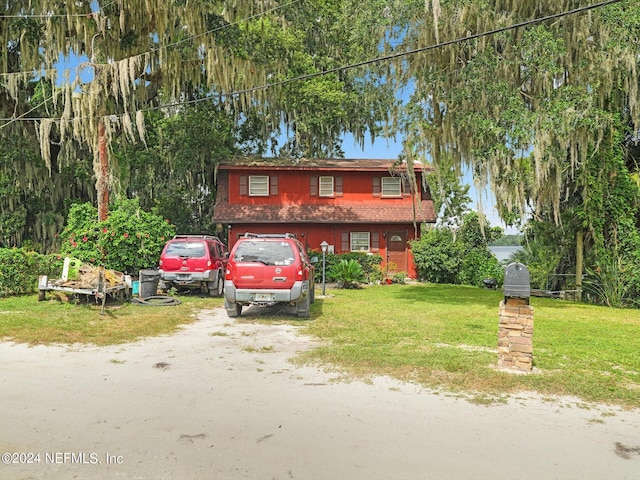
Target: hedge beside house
[[20, 268]]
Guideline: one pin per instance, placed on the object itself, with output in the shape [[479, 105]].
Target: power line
[[365, 62], [50, 15], [393, 56], [238, 22], [424, 49], [55, 15], [163, 47], [21, 117]]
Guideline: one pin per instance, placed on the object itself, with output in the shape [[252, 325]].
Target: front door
[[397, 252]]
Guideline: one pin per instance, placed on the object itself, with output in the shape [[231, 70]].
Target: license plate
[[183, 277], [263, 297]]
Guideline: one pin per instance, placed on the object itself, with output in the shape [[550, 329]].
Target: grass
[[25, 320], [444, 336]]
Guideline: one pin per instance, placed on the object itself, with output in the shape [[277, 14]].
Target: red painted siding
[[295, 188]]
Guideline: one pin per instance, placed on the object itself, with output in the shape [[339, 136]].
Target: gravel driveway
[[220, 400]]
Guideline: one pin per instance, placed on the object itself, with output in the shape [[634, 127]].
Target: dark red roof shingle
[[226, 213]]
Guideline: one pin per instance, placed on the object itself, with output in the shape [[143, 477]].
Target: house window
[[391, 187], [258, 185], [326, 186], [360, 241]]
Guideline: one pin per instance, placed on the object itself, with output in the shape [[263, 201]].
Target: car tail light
[[208, 263], [300, 274], [227, 273]]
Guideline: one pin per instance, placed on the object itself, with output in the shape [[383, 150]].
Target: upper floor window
[[326, 186], [258, 185], [391, 187]]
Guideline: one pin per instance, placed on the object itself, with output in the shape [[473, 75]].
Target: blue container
[[135, 287]]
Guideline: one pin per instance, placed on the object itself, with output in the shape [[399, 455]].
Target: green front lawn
[[445, 336]]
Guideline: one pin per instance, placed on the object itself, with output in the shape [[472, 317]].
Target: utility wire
[[371, 61], [163, 47], [222, 27], [424, 49], [50, 15], [57, 15], [21, 119]]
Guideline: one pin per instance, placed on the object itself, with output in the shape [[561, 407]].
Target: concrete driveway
[[220, 400]]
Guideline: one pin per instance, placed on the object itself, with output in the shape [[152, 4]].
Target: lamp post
[[324, 246]]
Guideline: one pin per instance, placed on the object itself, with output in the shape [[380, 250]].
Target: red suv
[[268, 269], [194, 261]]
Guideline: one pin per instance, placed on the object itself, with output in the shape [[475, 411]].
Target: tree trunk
[[103, 174]]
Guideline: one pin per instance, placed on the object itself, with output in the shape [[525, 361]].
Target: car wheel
[[303, 306], [233, 309], [216, 289]]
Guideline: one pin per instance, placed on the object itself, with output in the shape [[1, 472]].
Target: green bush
[[348, 273], [370, 263], [20, 268], [437, 256], [440, 257], [400, 278], [131, 239], [477, 265]]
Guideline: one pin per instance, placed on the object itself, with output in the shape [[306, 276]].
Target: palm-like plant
[[347, 273]]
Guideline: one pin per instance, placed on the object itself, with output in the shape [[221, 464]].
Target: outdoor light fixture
[[324, 246]]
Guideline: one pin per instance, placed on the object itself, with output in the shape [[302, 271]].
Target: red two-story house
[[367, 206]]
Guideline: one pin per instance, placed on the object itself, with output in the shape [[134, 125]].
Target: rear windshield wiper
[[253, 259]]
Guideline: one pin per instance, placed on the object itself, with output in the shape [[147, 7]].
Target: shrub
[[20, 268], [370, 264], [441, 258], [477, 265], [437, 257], [348, 273], [129, 240], [400, 277], [609, 282]]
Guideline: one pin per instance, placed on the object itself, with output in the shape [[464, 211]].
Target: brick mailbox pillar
[[515, 335]]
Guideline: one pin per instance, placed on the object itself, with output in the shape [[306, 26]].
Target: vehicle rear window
[[185, 249], [269, 253]]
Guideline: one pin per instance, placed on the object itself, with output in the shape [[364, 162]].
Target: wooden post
[[579, 263], [103, 174]]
